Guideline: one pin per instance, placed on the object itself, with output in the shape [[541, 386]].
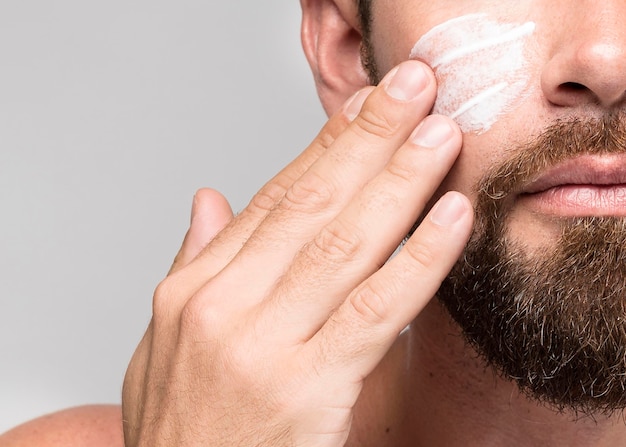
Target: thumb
[[210, 213]]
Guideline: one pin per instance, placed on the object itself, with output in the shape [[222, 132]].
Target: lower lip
[[578, 201]]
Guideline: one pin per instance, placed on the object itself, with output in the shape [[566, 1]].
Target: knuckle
[[310, 193], [402, 173], [267, 198], [245, 362], [371, 303], [195, 318], [375, 123], [241, 361], [202, 317], [325, 139], [422, 255], [338, 241], [162, 298], [203, 321]]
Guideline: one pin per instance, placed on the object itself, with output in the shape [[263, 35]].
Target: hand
[[265, 337]]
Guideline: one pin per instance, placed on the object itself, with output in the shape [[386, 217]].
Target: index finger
[[227, 243]]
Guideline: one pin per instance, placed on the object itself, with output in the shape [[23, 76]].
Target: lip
[[589, 185]]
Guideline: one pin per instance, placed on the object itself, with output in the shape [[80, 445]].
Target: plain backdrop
[[112, 114]]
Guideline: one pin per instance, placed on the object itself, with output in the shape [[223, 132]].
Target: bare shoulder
[[93, 426]]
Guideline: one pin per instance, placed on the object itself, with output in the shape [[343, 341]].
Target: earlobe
[[332, 43]]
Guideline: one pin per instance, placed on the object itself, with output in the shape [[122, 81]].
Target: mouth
[[589, 185]]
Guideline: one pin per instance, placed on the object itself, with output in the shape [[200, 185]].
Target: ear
[[331, 38]]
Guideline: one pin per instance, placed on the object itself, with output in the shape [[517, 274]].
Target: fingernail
[[355, 103], [406, 81], [448, 210], [433, 131]]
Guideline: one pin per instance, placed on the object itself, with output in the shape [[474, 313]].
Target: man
[[290, 328]]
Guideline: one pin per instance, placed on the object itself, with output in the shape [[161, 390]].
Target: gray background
[[112, 114]]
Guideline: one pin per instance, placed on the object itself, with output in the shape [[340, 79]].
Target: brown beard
[[555, 323]]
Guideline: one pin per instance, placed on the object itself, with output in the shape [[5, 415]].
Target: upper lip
[[588, 170]]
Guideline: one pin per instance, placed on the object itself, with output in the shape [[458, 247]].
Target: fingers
[[244, 261], [230, 241], [361, 238], [358, 335], [338, 211], [182, 283], [388, 116], [210, 213]]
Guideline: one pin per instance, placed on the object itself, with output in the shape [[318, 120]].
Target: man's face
[[568, 57], [541, 291]]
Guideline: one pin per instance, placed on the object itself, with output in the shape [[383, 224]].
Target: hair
[[367, 54], [364, 8]]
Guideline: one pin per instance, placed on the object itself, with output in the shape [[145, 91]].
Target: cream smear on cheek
[[480, 66]]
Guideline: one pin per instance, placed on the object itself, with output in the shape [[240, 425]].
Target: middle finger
[[389, 115]]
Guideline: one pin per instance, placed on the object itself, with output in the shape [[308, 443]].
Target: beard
[[554, 320]]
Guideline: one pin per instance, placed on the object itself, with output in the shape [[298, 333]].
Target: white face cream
[[480, 66]]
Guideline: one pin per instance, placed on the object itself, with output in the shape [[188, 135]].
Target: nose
[[587, 64]]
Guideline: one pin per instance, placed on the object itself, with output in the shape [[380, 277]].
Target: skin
[[305, 351]]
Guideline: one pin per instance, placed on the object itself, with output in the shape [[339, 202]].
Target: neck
[[432, 389]]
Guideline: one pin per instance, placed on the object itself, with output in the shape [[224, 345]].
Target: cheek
[[480, 153], [481, 68], [467, 171]]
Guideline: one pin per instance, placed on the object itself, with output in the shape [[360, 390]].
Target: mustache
[[563, 140]]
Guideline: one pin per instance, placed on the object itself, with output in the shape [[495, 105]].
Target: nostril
[[571, 93], [572, 87]]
